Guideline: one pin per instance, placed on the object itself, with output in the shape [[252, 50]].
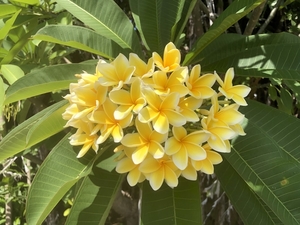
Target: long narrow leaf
[[51, 78], [107, 19], [268, 159], [181, 205], [156, 20], [231, 15], [244, 200], [11, 72], [18, 140], [95, 197], [58, 173], [80, 38], [266, 55]]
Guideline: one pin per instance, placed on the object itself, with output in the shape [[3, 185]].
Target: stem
[[254, 18], [270, 17]]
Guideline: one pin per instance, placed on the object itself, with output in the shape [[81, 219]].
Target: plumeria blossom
[[142, 70], [206, 165], [112, 126], [162, 112], [116, 73], [126, 165], [168, 121], [164, 84], [237, 93], [128, 101], [171, 59], [183, 146], [145, 141], [159, 170], [200, 86]]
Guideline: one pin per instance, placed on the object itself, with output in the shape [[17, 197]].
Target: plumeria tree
[[155, 113]]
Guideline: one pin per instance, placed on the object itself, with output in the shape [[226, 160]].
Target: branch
[[254, 18], [271, 16]]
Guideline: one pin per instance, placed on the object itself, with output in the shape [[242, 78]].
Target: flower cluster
[[169, 121]]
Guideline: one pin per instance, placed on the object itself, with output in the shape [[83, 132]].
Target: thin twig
[[254, 18], [270, 17]]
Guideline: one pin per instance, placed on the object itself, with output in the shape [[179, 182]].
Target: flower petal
[[125, 165], [156, 178], [180, 158], [170, 177], [140, 154], [133, 177], [172, 146]]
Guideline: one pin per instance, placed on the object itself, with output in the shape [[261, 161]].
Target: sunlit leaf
[[80, 38], [17, 139], [51, 78], [266, 55], [243, 199], [156, 20], [6, 10], [29, 2], [235, 11], [107, 19], [9, 23], [58, 173], [268, 159], [11, 73]]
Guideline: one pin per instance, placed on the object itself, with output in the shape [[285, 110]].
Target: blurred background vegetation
[[16, 48]]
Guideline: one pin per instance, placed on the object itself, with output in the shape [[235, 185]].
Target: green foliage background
[[44, 43]]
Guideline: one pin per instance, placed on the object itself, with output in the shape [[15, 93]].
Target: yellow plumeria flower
[[128, 101], [164, 84], [200, 86], [183, 146], [142, 70], [187, 107], [237, 93], [111, 126], [116, 73], [159, 170], [206, 165], [145, 141], [189, 172], [162, 113], [83, 137], [171, 60], [126, 165], [219, 135]]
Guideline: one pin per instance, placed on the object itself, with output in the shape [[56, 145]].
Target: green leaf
[[9, 23], [295, 87], [22, 137], [95, 197], [80, 38], [235, 11], [181, 205], [248, 206], [58, 173], [185, 15], [51, 123], [107, 19], [266, 55], [156, 20], [268, 159], [7, 9], [16, 48], [51, 78], [2, 94], [11, 73], [28, 2]]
